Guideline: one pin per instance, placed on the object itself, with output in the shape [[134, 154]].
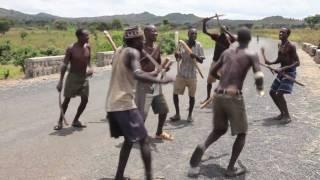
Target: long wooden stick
[[176, 41], [109, 38], [186, 47], [61, 110]]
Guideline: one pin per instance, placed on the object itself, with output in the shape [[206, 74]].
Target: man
[[151, 94], [186, 76], [229, 104], [124, 117], [223, 41], [289, 60], [78, 55]]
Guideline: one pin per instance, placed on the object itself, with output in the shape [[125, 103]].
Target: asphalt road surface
[[31, 149]]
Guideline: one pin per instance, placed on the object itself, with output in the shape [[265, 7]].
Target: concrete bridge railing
[[312, 50], [41, 66]]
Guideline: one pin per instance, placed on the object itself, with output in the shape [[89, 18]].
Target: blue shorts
[[282, 84]]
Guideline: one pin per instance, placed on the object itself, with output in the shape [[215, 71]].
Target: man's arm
[[132, 62], [214, 69], [90, 69], [258, 75], [204, 30], [200, 56], [63, 68]]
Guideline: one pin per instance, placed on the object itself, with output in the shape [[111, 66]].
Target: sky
[[232, 9]]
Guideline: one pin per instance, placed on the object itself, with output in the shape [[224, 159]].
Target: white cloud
[[233, 9]]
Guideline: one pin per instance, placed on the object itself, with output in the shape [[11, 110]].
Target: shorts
[[230, 109], [76, 85], [127, 123], [282, 84], [181, 83], [158, 104]]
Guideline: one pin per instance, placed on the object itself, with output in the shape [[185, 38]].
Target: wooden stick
[[186, 47], [205, 104], [176, 41], [109, 38], [61, 110]]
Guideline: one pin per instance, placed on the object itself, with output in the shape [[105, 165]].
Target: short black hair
[[288, 30], [244, 35], [79, 32]]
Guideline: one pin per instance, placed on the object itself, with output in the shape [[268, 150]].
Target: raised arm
[[258, 75]]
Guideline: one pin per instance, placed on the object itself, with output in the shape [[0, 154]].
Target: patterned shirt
[[187, 68]]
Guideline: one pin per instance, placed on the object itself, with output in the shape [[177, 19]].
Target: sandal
[[165, 136], [58, 127], [78, 124]]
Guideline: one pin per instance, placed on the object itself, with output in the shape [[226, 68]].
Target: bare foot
[[285, 120], [196, 156], [279, 117], [236, 171]]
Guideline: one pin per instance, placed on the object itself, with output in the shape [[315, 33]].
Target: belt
[[228, 92]]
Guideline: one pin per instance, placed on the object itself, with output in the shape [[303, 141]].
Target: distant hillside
[[146, 17]]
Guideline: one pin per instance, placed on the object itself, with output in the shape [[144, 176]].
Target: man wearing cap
[[151, 94], [78, 56], [124, 117], [228, 106], [223, 41], [187, 76]]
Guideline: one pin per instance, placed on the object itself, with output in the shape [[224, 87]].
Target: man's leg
[[191, 105], [123, 159], [276, 100], [64, 105], [146, 157], [236, 150], [284, 107], [162, 118], [82, 106], [200, 149], [176, 117]]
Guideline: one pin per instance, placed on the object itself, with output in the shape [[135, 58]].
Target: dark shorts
[[128, 124], [283, 84], [76, 85], [230, 109]]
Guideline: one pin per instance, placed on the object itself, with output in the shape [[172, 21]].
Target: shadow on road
[[153, 144], [214, 157], [178, 124], [65, 131], [104, 120]]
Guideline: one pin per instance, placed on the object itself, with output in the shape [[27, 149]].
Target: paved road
[[30, 149]]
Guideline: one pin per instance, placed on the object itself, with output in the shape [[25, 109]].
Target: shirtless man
[[289, 60], [78, 55], [151, 94], [124, 117], [223, 41], [229, 104], [187, 76]]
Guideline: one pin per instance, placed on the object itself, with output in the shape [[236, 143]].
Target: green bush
[[51, 51], [5, 52], [21, 54], [167, 44]]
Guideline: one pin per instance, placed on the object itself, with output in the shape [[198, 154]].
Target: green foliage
[[5, 52], [10, 72], [167, 44], [51, 51], [21, 54], [23, 35], [312, 20], [116, 24], [60, 25], [4, 25]]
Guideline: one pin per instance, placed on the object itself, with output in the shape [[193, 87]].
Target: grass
[[297, 35], [14, 71]]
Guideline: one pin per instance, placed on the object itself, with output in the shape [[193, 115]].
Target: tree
[[116, 24], [23, 53], [23, 35], [4, 25], [60, 25], [312, 20]]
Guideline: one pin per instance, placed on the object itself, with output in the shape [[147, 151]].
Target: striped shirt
[[187, 68]]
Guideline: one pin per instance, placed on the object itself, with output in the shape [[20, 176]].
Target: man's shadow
[[65, 131], [104, 120], [177, 124], [271, 121]]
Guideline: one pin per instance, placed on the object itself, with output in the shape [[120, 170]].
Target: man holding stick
[[289, 60], [124, 117], [78, 55], [149, 94], [186, 76], [228, 106], [223, 41]]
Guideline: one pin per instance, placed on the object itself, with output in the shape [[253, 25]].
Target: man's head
[[82, 35], [133, 37], [244, 35], [150, 33], [284, 33], [192, 34]]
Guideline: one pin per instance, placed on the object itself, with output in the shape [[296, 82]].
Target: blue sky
[[233, 9]]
